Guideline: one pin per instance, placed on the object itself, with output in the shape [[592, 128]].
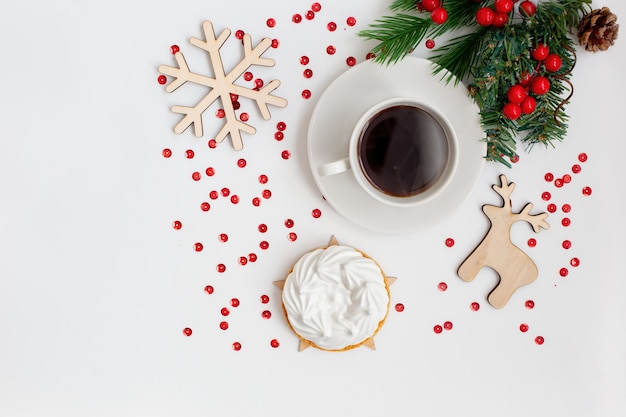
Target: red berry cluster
[[519, 100], [438, 13], [498, 15]]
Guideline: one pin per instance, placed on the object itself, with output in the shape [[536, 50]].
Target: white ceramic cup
[[353, 162]]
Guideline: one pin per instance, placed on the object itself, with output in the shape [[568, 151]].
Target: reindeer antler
[[537, 221], [505, 190]]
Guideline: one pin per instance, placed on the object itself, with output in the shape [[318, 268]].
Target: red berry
[[553, 62], [529, 104], [503, 6], [439, 15], [540, 52], [525, 79], [512, 111], [540, 85], [527, 8], [500, 19], [485, 16], [430, 5], [516, 94]]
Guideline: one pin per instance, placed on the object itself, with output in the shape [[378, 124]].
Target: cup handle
[[333, 168]]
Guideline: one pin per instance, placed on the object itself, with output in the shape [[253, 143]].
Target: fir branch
[[459, 55], [404, 5], [397, 36]]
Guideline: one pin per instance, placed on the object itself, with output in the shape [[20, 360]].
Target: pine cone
[[597, 31]]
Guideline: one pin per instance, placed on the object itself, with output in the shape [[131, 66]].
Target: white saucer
[[349, 96]]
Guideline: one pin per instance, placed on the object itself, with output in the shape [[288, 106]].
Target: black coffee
[[403, 150]]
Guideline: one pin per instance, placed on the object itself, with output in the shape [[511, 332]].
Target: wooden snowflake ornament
[[222, 85], [496, 250]]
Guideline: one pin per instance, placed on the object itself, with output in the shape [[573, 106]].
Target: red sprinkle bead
[[221, 268], [258, 83], [187, 331], [167, 153], [266, 314], [285, 154], [210, 171], [262, 228], [523, 327], [548, 177], [198, 247], [449, 242], [296, 18], [234, 199], [306, 94], [248, 76], [310, 15], [430, 44], [234, 302], [225, 192], [223, 237], [351, 61], [241, 163], [316, 213], [529, 304], [212, 143], [225, 311], [243, 260], [252, 257], [224, 325], [162, 79], [332, 26], [351, 21], [263, 179], [474, 306], [566, 221], [239, 34], [532, 242], [264, 245], [265, 299], [574, 262], [205, 206], [292, 237], [271, 22], [189, 153], [274, 343], [576, 168], [330, 50], [551, 208], [399, 307], [279, 136], [539, 340], [209, 289], [196, 176], [563, 272], [244, 117], [566, 208], [174, 49], [546, 196], [567, 178], [256, 201], [442, 286], [437, 329], [177, 225], [289, 223], [266, 194], [447, 325], [370, 55], [587, 191], [220, 113], [558, 183], [566, 244], [304, 60], [237, 346], [316, 7], [582, 157], [213, 195], [281, 126]]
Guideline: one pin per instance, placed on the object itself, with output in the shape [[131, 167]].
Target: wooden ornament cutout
[[496, 250], [222, 85]]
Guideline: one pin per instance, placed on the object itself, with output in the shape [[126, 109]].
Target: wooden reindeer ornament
[[496, 250]]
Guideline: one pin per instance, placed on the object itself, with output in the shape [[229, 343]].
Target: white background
[[96, 286]]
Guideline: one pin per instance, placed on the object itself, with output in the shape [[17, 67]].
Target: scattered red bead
[[225, 192], [370, 55], [289, 223], [274, 343], [167, 153], [187, 331], [449, 242], [212, 143], [310, 15], [566, 221], [331, 26], [223, 237], [316, 7], [587, 191], [548, 177], [563, 272], [234, 302], [244, 117], [567, 178], [529, 304], [252, 257], [351, 61], [474, 306], [430, 43], [205, 206], [275, 43], [189, 153], [266, 314], [162, 79], [285, 154], [296, 18], [239, 34], [237, 346], [224, 325], [330, 50], [248, 76], [442, 286], [265, 299], [241, 163], [243, 260], [220, 113], [292, 237], [437, 329], [539, 340], [264, 245], [351, 21], [221, 268], [558, 183], [256, 201], [279, 136], [447, 325], [196, 176], [263, 179], [224, 311], [567, 244], [566, 208], [174, 49], [210, 171], [582, 157], [399, 307], [271, 22], [551, 208], [316, 213], [198, 247], [177, 225], [532, 242], [266, 194], [304, 60], [213, 195], [262, 228], [234, 199], [209, 289], [546, 196], [574, 262], [576, 168], [306, 94], [523, 327]]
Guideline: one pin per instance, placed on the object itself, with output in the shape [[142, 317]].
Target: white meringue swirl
[[335, 297]]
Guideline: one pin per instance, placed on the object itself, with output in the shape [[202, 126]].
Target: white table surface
[[96, 286]]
